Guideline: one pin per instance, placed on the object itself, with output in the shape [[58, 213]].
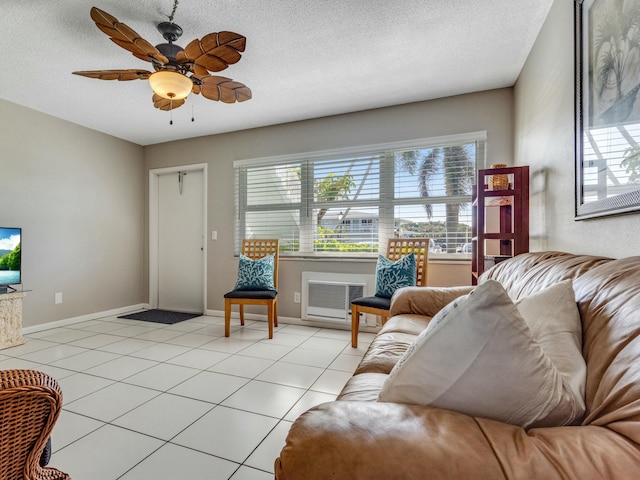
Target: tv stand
[[11, 319], [7, 289]]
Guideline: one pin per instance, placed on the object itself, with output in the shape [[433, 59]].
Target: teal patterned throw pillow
[[391, 276], [255, 274]]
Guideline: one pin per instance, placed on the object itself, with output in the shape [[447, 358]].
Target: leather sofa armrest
[[373, 440], [425, 300]]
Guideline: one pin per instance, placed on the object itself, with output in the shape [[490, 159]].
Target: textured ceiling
[[304, 58]]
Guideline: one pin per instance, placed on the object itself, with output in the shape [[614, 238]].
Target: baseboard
[[84, 318], [211, 313]]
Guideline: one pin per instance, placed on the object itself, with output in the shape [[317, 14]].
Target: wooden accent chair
[[255, 249], [30, 403], [396, 249]]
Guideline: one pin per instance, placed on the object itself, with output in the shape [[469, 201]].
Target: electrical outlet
[[296, 297], [58, 298]]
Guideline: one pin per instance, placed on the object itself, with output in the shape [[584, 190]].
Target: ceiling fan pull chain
[[193, 118], [171, 111], [173, 12]]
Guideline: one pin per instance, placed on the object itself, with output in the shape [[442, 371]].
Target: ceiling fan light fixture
[[170, 84]]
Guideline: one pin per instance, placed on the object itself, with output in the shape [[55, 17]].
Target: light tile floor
[[150, 401]]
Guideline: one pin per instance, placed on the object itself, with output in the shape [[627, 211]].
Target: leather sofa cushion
[[411, 324], [365, 387], [384, 352]]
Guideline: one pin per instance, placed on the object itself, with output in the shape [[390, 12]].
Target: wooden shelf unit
[[511, 220]]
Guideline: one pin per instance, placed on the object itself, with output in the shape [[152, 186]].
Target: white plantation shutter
[[268, 203], [352, 202], [346, 219]]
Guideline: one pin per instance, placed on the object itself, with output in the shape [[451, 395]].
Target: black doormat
[[161, 316]]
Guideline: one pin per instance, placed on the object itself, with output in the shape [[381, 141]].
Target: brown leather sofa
[[357, 437]]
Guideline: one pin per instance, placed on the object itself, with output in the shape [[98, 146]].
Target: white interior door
[[181, 241]]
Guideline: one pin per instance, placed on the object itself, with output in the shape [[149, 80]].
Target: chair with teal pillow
[[257, 282], [404, 265]]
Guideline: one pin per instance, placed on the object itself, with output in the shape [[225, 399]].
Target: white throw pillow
[[478, 356], [554, 319]]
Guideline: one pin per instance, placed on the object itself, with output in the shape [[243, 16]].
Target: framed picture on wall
[[607, 46]]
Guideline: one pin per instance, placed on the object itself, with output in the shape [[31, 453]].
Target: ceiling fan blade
[[215, 52], [121, 75], [162, 103], [126, 37], [223, 89], [199, 71]]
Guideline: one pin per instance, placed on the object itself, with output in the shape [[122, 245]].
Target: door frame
[[154, 179]]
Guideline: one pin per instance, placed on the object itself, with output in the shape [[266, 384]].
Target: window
[[351, 201]]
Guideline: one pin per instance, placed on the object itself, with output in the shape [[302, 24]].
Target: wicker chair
[[255, 249], [396, 249], [30, 403]]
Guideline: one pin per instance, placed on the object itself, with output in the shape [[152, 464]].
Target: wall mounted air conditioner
[[326, 297]]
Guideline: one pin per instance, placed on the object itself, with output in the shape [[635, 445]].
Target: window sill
[[451, 258]]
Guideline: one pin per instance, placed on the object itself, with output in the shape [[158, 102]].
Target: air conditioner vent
[[327, 296]]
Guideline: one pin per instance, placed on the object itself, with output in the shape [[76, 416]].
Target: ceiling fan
[[178, 71]]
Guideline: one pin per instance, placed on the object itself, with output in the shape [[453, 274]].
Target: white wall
[[78, 196], [491, 111], [544, 139]]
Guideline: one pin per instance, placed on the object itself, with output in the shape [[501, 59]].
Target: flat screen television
[[10, 258]]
